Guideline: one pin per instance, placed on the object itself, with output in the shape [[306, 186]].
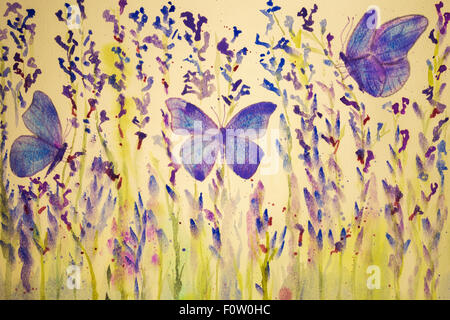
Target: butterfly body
[[31, 154], [58, 158], [376, 58], [207, 140]]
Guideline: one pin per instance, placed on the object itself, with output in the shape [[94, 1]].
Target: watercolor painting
[[227, 150]]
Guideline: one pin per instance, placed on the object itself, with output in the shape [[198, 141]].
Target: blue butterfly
[[31, 154], [207, 140], [376, 58]]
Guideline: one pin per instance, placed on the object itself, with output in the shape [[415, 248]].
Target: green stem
[[6, 236], [160, 273], [321, 278], [42, 285], [339, 294], [58, 266], [250, 279], [217, 279], [176, 247], [264, 275], [91, 270]]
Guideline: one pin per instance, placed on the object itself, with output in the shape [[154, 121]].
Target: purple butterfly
[[207, 140], [31, 154], [376, 58]]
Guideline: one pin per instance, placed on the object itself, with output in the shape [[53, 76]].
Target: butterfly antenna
[[217, 116], [224, 116], [342, 32], [349, 32], [66, 130]]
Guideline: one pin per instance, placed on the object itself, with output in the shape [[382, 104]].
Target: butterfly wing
[[198, 155], [243, 156], [395, 38], [253, 119], [396, 76], [361, 38], [42, 119], [30, 155], [369, 74], [186, 118], [199, 152]]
